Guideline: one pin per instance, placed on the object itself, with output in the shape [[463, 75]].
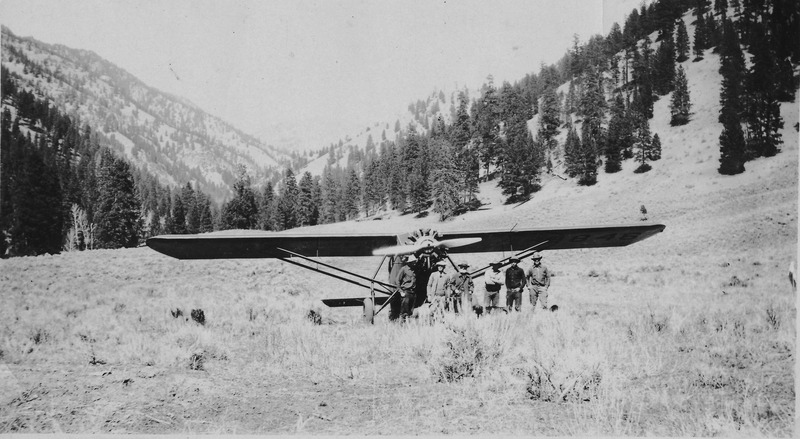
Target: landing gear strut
[[369, 311]]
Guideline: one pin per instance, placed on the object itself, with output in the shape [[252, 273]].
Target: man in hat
[[461, 286], [515, 282], [539, 281], [437, 293], [493, 281], [407, 281]]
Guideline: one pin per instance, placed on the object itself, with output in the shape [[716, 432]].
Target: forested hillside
[[582, 117], [578, 120], [62, 187], [162, 134]]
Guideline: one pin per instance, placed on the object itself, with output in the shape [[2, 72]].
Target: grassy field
[[689, 333], [690, 346]]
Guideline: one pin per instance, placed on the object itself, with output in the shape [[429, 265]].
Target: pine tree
[[592, 141], [178, 224], [461, 131], [397, 178], [117, 214], [731, 145], [241, 212], [549, 120], [721, 8], [614, 39], [643, 95], [587, 155], [266, 205], [700, 7], [572, 150], [713, 33], [415, 158], [680, 104], [307, 211], [632, 31], [732, 69], [31, 218], [316, 199], [699, 46], [206, 217], [682, 42], [784, 30], [619, 136], [372, 187], [654, 153], [664, 66], [352, 195], [486, 120], [192, 209], [330, 197], [763, 112], [642, 143], [520, 160], [286, 206], [445, 180]]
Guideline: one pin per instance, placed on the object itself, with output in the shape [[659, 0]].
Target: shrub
[[467, 353], [197, 360], [644, 167], [199, 316], [558, 378]]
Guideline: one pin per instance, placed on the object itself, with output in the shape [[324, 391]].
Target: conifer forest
[[62, 186]]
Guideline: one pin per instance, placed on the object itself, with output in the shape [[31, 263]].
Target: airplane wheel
[[369, 311]]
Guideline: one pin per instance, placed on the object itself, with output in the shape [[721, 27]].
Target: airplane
[[428, 245]]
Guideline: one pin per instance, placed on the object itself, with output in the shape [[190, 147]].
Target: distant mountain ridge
[[166, 135]]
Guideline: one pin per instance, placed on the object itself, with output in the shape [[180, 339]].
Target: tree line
[[62, 189]]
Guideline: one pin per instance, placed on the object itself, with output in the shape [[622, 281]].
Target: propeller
[[424, 244], [458, 242]]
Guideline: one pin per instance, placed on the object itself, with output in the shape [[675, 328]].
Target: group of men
[[457, 293]]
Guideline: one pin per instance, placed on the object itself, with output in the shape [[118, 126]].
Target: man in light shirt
[[493, 281], [538, 281], [437, 293]]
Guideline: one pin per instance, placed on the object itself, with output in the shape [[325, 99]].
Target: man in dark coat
[[407, 281], [515, 282]]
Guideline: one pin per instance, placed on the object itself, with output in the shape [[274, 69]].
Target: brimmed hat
[[411, 258], [463, 265], [536, 255], [513, 259], [496, 264], [441, 264]]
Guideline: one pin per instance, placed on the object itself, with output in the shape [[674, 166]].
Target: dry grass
[[92, 345], [689, 333]]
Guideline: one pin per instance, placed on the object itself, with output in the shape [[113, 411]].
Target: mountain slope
[[706, 213], [166, 135]]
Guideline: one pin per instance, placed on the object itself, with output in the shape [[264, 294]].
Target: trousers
[[407, 305], [538, 293], [514, 298]]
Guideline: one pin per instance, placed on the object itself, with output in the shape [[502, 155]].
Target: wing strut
[[329, 274], [371, 280], [387, 301], [521, 255]]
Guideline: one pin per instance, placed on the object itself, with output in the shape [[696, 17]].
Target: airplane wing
[[557, 238], [267, 245], [272, 245]]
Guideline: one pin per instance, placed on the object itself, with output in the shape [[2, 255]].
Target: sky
[[314, 69]]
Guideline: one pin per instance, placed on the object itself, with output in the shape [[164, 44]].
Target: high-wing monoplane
[[429, 246]]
